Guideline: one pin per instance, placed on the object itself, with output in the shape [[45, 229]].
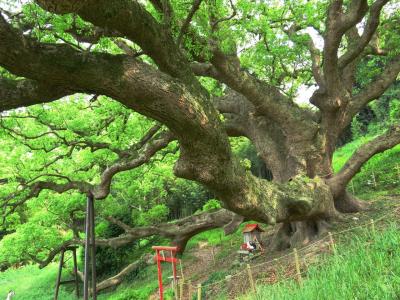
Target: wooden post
[[182, 280], [180, 266], [174, 277], [332, 242], [59, 274], [199, 291], [160, 283], [213, 254], [373, 178], [176, 291], [181, 283], [373, 227], [250, 274], [297, 263], [190, 292]]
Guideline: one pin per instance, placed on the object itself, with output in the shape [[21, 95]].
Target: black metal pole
[[87, 246], [93, 247]]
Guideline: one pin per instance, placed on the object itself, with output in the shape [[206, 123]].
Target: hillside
[[211, 256]]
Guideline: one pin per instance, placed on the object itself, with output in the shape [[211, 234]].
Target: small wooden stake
[[213, 254], [373, 178], [297, 262], [250, 274], [199, 291], [180, 266], [373, 227], [175, 288], [332, 242], [190, 290], [181, 283]]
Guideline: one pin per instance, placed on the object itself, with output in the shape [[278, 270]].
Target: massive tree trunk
[[308, 157], [311, 155]]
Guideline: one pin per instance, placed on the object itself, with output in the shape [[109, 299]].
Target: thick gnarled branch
[[267, 100], [381, 143], [186, 23], [149, 149], [134, 157], [24, 92], [365, 38], [34, 189], [118, 278], [132, 20], [337, 24], [373, 90], [178, 231]]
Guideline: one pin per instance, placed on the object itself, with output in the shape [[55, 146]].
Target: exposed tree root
[[348, 203]]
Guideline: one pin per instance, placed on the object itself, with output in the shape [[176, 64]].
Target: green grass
[[214, 237], [365, 267], [384, 166], [30, 283], [140, 288]]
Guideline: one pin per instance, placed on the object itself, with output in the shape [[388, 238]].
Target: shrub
[[211, 204]]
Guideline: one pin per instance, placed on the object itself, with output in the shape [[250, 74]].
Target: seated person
[[251, 246]]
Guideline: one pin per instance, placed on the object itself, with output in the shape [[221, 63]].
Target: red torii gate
[[159, 258]]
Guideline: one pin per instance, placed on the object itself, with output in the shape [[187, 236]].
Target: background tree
[[56, 152]]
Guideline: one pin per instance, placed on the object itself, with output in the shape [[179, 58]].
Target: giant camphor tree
[[214, 69]]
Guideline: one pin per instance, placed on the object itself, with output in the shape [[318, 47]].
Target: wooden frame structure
[[90, 256], [160, 258], [75, 280]]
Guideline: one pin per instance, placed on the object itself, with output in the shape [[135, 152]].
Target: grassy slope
[[31, 283], [338, 275], [366, 267], [385, 167]]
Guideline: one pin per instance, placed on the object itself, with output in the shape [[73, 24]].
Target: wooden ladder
[[76, 280]]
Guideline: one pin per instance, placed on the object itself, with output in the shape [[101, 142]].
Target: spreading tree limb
[[363, 40], [179, 232], [23, 92], [353, 165]]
